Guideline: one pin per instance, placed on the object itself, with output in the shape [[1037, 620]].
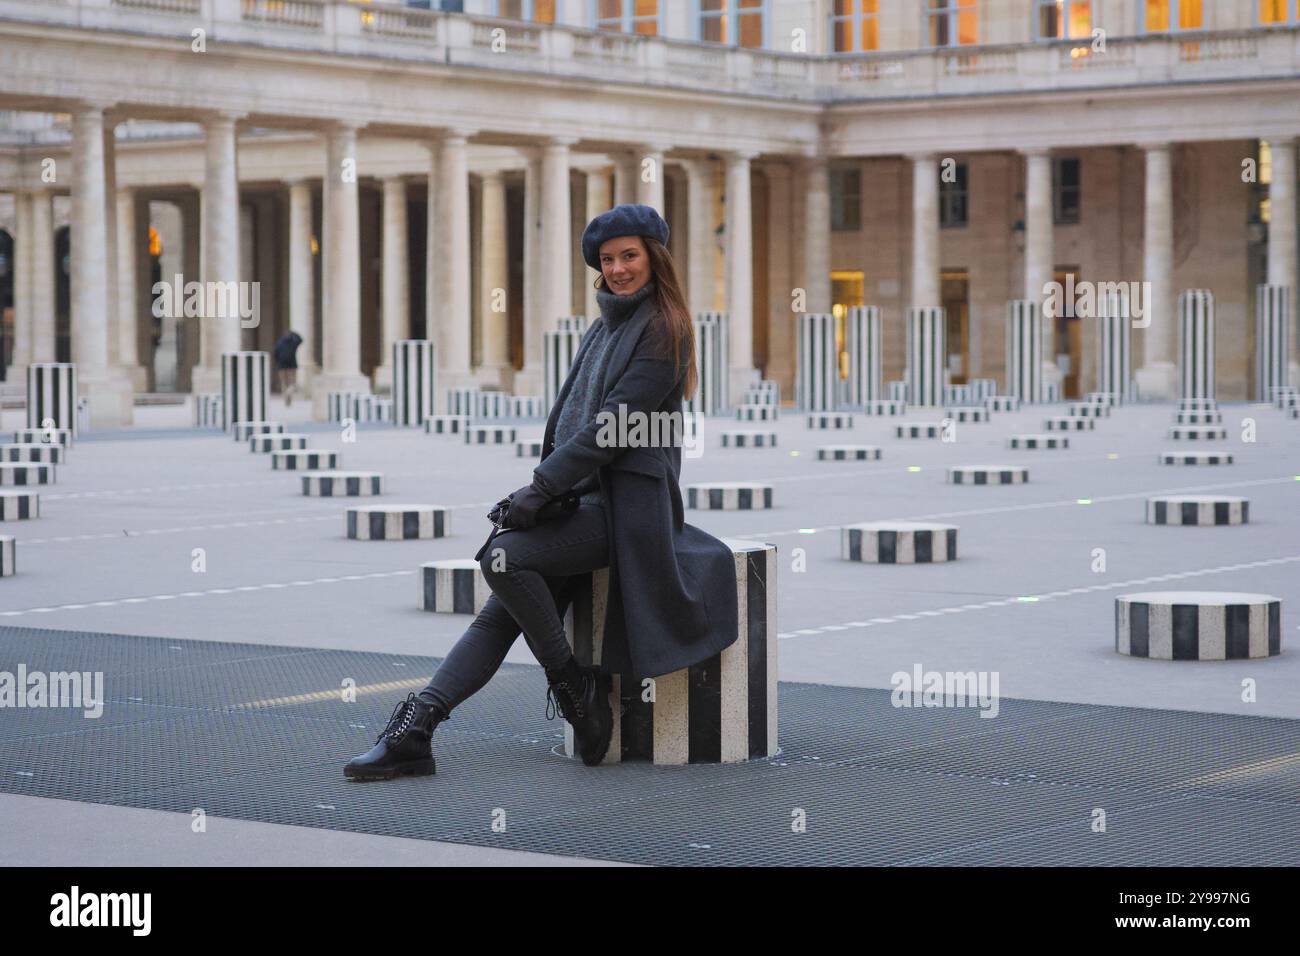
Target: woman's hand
[[524, 505]]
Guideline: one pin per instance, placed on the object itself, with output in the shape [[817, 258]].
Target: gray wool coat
[[672, 586]]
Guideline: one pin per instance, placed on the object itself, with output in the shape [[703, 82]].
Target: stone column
[[302, 290], [395, 302], [341, 356], [925, 231], [494, 282], [529, 378], [128, 291], [111, 305], [817, 235], [699, 261], [627, 170], [43, 294], [24, 249], [451, 304], [740, 276], [1282, 234], [219, 334], [555, 258], [1157, 378], [651, 193], [599, 199], [110, 394], [1040, 266]]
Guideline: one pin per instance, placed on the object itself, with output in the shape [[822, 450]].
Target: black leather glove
[[524, 505]]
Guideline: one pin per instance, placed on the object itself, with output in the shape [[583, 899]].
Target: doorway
[[954, 296]]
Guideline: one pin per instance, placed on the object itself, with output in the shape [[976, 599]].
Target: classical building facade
[[378, 171]]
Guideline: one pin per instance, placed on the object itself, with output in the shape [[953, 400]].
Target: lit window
[[855, 26], [953, 22], [846, 198], [538, 11], [1067, 190], [1170, 16], [1063, 19], [628, 16], [952, 197], [734, 22], [1277, 11]]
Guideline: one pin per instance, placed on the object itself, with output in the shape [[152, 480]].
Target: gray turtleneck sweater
[[583, 400]]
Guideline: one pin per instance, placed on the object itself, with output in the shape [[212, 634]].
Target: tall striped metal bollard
[[1024, 350], [1196, 342], [927, 355], [817, 378], [721, 710], [245, 382], [414, 378], [1272, 339], [52, 396]]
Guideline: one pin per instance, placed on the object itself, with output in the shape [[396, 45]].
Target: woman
[[672, 588]]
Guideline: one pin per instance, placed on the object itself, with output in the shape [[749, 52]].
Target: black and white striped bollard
[[1198, 432], [342, 484], [304, 459], [1198, 625], [728, 496], [489, 434], [830, 420], [27, 451], [848, 453], [987, 475], [453, 586], [284, 441], [8, 555], [899, 542], [398, 522], [1197, 510], [446, 424], [18, 474], [1194, 457], [1038, 442], [748, 438], [243, 431], [19, 505]]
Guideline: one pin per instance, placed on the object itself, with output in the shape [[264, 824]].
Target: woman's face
[[625, 264]]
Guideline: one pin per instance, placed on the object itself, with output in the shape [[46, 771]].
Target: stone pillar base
[[138, 375], [739, 378], [528, 381], [111, 396], [325, 382], [1157, 380], [382, 378], [498, 376], [205, 379]]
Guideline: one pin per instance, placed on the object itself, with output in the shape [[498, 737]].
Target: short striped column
[[896, 391], [1024, 350], [884, 406], [1069, 423], [1037, 442], [44, 436], [243, 431], [285, 441], [453, 586], [899, 542], [303, 460], [983, 388], [489, 434], [987, 475], [342, 484], [25, 473], [927, 355], [340, 406], [830, 420], [865, 349], [492, 405], [397, 522], [463, 400], [446, 424], [1109, 399], [526, 406], [756, 413], [19, 505], [848, 452], [817, 374], [1002, 403], [559, 348], [8, 555], [1198, 510], [958, 395], [572, 323], [52, 396], [1198, 625], [967, 414], [721, 710], [207, 410], [1114, 346], [728, 496], [32, 451], [528, 448], [1196, 342], [1198, 418], [414, 379], [748, 438], [918, 430], [1198, 433], [1087, 410], [763, 392], [712, 364], [374, 408], [245, 384], [1272, 339], [1194, 457]]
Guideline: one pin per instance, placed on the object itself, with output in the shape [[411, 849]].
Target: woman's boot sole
[[418, 768]]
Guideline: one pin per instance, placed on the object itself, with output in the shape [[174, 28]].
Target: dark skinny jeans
[[537, 566]]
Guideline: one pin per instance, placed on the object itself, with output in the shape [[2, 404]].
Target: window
[[1063, 19], [855, 26], [1170, 16], [846, 198], [1277, 11], [734, 22], [627, 16], [952, 22], [1066, 190], [447, 6], [952, 198], [539, 11]]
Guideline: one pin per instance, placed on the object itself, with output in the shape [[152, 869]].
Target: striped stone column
[[1024, 351], [52, 394], [927, 355], [1196, 342], [817, 375], [572, 323], [244, 384], [413, 381], [1272, 339], [1114, 346], [558, 351], [865, 347], [711, 362]]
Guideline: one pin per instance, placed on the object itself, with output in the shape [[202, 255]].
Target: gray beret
[[626, 219]]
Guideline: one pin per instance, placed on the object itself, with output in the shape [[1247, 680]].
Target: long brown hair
[[674, 332]]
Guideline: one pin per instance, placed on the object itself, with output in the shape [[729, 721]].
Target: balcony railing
[[389, 30]]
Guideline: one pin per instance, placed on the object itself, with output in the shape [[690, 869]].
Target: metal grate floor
[[260, 733]]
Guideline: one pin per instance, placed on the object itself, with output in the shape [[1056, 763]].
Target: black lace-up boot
[[581, 695], [404, 747]]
